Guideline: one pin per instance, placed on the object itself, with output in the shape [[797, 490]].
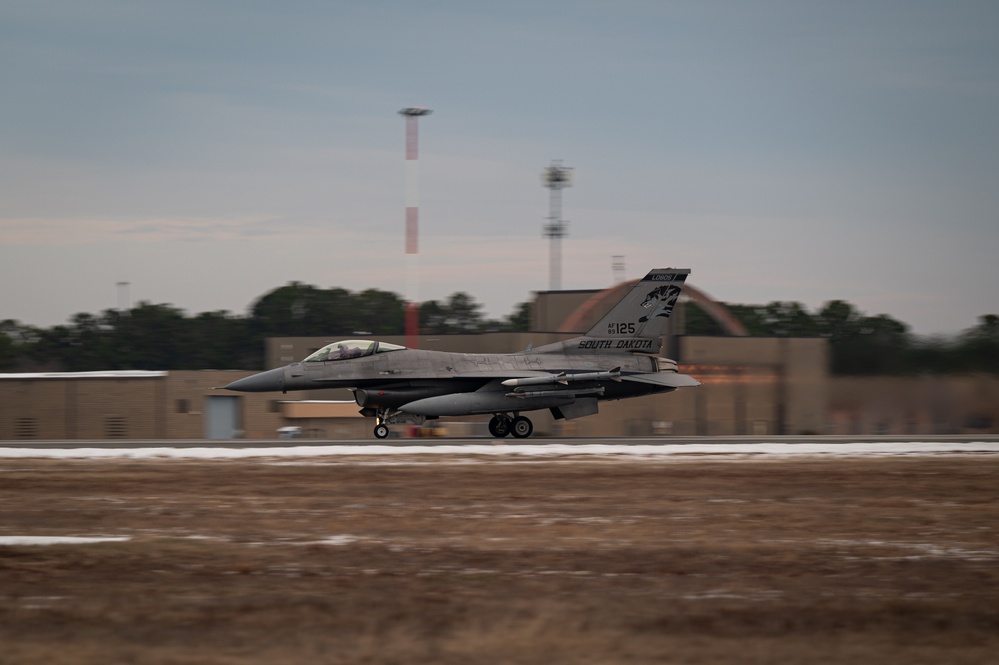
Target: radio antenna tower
[[556, 177], [412, 116]]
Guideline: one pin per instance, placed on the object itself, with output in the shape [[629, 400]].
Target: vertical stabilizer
[[647, 307]]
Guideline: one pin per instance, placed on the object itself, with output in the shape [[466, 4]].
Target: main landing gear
[[501, 425]]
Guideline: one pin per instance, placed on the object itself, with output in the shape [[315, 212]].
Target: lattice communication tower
[[556, 178]]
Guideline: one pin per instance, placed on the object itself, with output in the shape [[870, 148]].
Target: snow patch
[[663, 451], [59, 540], [334, 540]]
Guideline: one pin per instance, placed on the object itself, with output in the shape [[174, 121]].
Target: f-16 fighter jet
[[618, 358]]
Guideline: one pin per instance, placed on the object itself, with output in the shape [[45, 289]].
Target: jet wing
[[666, 379], [434, 373]]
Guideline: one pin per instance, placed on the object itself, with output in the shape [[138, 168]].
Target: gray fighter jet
[[618, 358]]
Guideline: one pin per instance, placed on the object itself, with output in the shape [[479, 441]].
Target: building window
[[183, 406], [115, 427], [26, 428]]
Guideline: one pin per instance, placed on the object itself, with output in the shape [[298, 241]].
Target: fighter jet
[[616, 359]]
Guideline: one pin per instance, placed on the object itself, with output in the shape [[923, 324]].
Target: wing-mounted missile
[[561, 392], [564, 378], [538, 380]]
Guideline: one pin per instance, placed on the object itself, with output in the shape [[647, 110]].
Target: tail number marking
[[620, 328]]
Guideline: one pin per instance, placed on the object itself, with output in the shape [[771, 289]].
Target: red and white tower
[[412, 116]]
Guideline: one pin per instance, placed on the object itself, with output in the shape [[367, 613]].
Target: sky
[[208, 152]]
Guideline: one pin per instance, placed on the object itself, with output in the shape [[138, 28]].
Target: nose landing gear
[[385, 416]]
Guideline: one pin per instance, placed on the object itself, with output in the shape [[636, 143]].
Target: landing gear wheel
[[522, 427], [499, 426], [381, 431]]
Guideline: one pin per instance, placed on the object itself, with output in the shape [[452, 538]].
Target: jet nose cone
[[269, 381]]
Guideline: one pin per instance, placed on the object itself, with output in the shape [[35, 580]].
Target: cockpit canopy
[[351, 348]]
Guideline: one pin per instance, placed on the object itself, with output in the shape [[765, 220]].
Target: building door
[[222, 417]]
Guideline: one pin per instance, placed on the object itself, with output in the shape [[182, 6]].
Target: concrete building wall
[[550, 308], [914, 405], [80, 406], [120, 408], [743, 400], [32, 408], [750, 386], [758, 385], [186, 401]]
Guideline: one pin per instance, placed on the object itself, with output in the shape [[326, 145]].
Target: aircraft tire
[[381, 431], [499, 426], [522, 427]]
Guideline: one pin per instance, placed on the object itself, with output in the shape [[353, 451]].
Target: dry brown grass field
[[443, 561]]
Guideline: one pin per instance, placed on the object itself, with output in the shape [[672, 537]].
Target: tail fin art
[[646, 309]]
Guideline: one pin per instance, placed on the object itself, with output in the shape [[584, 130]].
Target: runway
[[541, 448], [728, 552]]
